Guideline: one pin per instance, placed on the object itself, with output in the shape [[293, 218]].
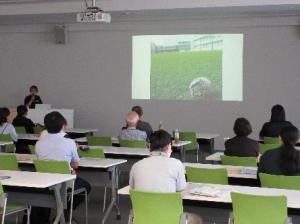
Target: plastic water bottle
[[176, 136]]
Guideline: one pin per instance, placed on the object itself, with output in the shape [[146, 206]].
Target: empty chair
[[158, 208], [279, 181], [271, 140], [192, 137], [8, 162], [10, 209], [132, 143], [204, 175], [32, 149], [238, 161], [62, 167], [7, 138], [92, 153], [266, 147], [20, 130], [250, 209], [99, 141]]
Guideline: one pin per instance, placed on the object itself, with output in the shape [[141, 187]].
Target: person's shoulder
[[253, 141], [271, 153], [174, 162]]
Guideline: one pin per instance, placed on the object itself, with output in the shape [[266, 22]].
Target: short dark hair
[[22, 110], [289, 135], [3, 116], [277, 113], [34, 87], [138, 110], [5, 111], [54, 122], [242, 127], [159, 139]]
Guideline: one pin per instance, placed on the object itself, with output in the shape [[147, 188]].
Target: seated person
[[241, 145], [7, 128], [142, 125], [32, 99], [131, 132], [276, 123], [55, 146], [22, 121], [284, 160], [159, 172]]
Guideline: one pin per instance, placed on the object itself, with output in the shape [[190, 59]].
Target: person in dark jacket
[[284, 160], [22, 121], [142, 125], [33, 99], [276, 123], [241, 145]]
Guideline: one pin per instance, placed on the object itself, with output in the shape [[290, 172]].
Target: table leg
[[182, 153], [58, 193], [212, 145], [113, 203]]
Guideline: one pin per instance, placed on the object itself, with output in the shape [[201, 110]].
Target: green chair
[[20, 130], [153, 207], [99, 141], [7, 138], [9, 209], [266, 147], [271, 140], [92, 153], [132, 143], [279, 181], [62, 167], [32, 149], [192, 137], [38, 129], [238, 161], [256, 209], [204, 175], [8, 161]]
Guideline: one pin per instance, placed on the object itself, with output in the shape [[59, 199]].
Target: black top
[[21, 121], [270, 162], [145, 126], [37, 100], [241, 146], [273, 129]]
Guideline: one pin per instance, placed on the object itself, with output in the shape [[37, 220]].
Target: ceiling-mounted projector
[[93, 15]]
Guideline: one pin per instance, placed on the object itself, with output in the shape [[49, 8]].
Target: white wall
[[92, 73]]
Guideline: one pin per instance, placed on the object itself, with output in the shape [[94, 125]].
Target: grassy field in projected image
[[172, 73]]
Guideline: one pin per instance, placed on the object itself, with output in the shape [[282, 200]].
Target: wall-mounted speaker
[[60, 33]]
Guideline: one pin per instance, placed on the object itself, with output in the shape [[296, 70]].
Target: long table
[[293, 196], [18, 180]]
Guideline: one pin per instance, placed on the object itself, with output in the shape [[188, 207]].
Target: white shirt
[[56, 147], [45, 132], [158, 173], [8, 128]]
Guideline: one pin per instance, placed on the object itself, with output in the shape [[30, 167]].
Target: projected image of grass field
[[173, 73]]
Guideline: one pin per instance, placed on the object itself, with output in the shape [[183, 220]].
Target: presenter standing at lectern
[[32, 99]]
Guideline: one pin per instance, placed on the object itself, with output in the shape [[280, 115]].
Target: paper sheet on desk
[[251, 171], [207, 191]]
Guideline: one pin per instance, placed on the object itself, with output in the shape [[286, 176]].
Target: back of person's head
[[132, 118], [54, 122], [289, 160], [5, 111], [3, 116], [159, 140], [242, 127], [277, 113], [138, 110], [22, 110], [33, 87]]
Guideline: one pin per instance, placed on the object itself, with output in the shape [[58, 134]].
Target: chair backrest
[[8, 162], [238, 161], [132, 143], [20, 130], [280, 181], [266, 147], [271, 140], [38, 129], [5, 138], [50, 166], [189, 136], [204, 175], [32, 149], [250, 209], [99, 141], [92, 153], [158, 208]]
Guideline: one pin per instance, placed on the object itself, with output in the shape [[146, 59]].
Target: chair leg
[[28, 214], [104, 200], [71, 204]]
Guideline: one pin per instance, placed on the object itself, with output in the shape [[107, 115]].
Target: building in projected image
[[207, 43]]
